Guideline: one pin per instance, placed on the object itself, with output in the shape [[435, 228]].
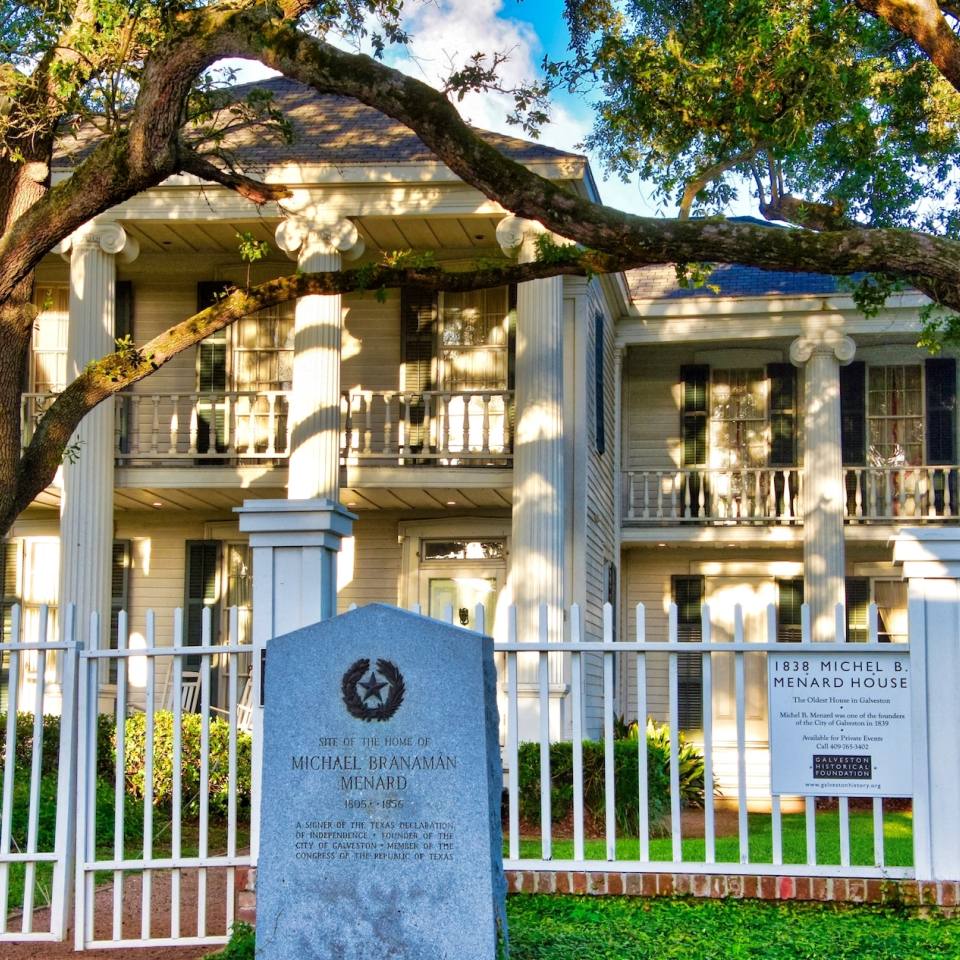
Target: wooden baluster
[[174, 423], [930, 491], [465, 426], [443, 423], [407, 429], [368, 423], [646, 494], [947, 505], [902, 492], [485, 439], [387, 422], [701, 497], [272, 423], [154, 425], [631, 497], [788, 512], [687, 493], [194, 419]]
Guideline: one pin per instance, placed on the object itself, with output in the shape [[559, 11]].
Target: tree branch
[[253, 190], [923, 21], [708, 175]]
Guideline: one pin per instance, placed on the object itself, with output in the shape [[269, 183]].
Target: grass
[[898, 842], [618, 928], [592, 928]]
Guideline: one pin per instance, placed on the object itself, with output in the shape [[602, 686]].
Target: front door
[[459, 575]]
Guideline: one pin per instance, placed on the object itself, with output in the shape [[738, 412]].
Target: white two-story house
[[570, 441]]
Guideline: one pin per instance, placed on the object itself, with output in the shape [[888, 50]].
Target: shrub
[[51, 743], [626, 776], [136, 729], [241, 945]]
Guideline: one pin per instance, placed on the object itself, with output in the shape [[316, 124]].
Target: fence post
[[61, 898], [930, 559], [295, 545]]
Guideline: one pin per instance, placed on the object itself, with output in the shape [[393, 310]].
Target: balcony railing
[[772, 495], [385, 427], [695, 495]]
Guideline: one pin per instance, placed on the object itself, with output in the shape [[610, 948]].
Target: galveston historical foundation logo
[[373, 694]]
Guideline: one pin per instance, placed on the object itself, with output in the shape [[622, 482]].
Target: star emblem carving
[[376, 698], [373, 687]]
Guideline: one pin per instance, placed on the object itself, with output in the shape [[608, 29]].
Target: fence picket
[[674, 713], [546, 814], [642, 774], [576, 668], [706, 667], [609, 785]]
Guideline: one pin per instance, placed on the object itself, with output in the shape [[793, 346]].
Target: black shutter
[[783, 414], [694, 379], [418, 321], [598, 352], [123, 328], [858, 600], [119, 593], [123, 309], [9, 564], [688, 596], [211, 375], [941, 390], [853, 413], [789, 601], [201, 589]]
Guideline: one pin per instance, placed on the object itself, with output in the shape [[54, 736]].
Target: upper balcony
[[383, 428], [772, 495]]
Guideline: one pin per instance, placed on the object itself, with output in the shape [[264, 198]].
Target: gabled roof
[[338, 131]]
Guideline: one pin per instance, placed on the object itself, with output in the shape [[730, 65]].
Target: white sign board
[[840, 724]]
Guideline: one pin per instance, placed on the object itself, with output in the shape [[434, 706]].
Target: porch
[[762, 496], [237, 427]]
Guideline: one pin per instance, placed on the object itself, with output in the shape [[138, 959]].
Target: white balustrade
[[771, 495], [386, 426]]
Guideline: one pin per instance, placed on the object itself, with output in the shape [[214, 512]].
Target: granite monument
[[380, 817]]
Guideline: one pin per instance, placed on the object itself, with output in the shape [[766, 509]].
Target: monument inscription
[[380, 818]]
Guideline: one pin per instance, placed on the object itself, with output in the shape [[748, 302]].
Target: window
[[890, 597], [895, 414], [254, 356], [789, 602], [738, 418], [48, 369], [463, 550], [688, 596]]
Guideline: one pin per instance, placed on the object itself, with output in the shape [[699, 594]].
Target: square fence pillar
[[930, 559], [294, 545]]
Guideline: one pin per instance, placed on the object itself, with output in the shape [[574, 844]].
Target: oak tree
[[841, 116]]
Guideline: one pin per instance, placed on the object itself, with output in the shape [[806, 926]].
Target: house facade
[[615, 439]]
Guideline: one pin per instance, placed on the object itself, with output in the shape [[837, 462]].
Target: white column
[[537, 547], [318, 246], [824, 495], [930, 558], [86, 504]]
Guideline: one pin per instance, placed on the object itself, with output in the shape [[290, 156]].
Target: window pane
[[463, 550]]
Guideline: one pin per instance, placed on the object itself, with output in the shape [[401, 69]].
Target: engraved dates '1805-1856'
[[374, 697]]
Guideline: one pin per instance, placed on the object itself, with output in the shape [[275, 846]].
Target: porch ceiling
[[450, 233]]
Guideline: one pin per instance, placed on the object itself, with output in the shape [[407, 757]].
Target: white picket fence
[[159, 887]]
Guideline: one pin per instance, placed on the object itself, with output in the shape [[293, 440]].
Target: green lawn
[[615, 928], [898, 842]]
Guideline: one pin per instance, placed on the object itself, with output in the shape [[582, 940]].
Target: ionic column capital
[[829, 343], [106, 235], [518, 237], [308, 232]]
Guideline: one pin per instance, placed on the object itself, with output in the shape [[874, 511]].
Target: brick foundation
[[945, 895]]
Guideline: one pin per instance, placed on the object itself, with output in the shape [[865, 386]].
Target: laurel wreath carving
[[355, 705]]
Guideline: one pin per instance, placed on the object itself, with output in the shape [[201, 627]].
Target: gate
[[36, 862]]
